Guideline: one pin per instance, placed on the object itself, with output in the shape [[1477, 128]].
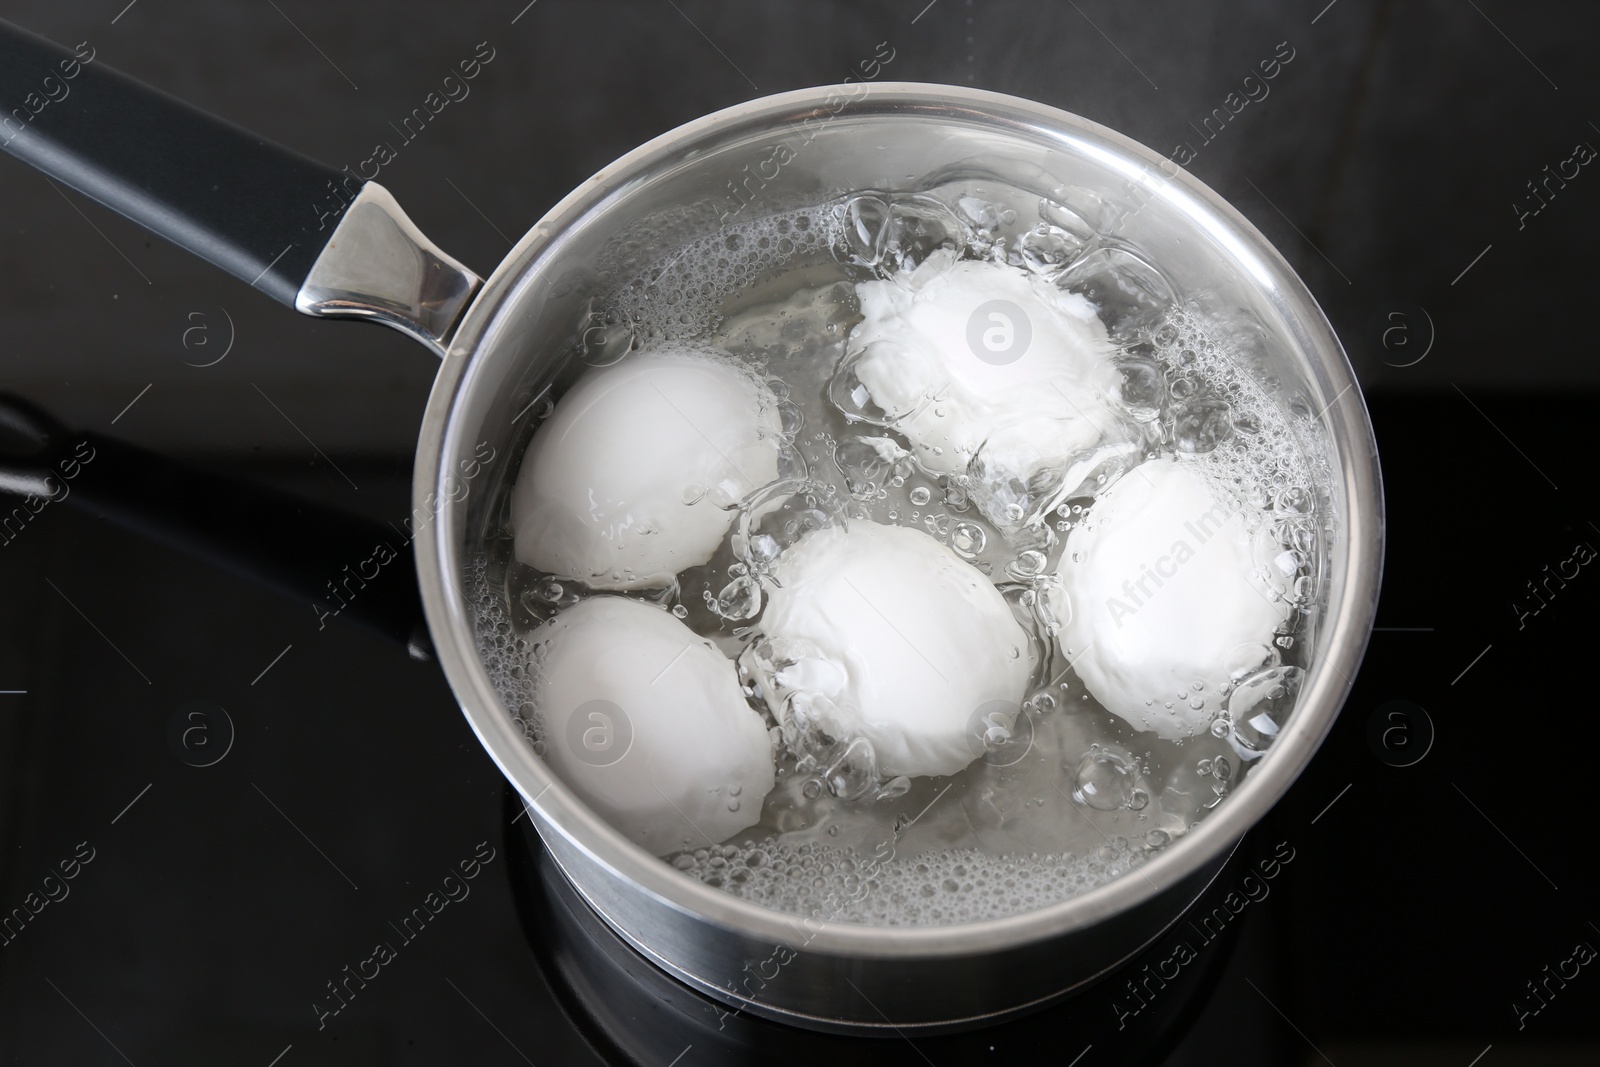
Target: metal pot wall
[[330, 245]]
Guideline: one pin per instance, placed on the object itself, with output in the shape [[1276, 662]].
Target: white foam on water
[[933, 888]]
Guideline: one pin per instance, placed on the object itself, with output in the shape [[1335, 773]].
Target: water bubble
[[1060, 216], [778, 515], [549, 590], [850, 394], [921, 495], [1001, 732], [967, 539], [1048, 250], [1276, 564], [1260, 706], [1201, 425], [1104, 781], [854, 774], [865, 230], [791, 420], [1027, 565], [1294, 500], [1128, 291], [920, 226], [739, 599], [1136, 387]]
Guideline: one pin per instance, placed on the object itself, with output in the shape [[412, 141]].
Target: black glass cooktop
[[232, 830]]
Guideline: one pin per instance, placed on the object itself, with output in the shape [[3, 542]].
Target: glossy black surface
[[241, 863]]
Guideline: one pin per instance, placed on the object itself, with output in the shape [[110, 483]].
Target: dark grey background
[[1387, 157], [1395, 142]]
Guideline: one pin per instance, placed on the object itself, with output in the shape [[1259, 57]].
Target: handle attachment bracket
[[378, 266]]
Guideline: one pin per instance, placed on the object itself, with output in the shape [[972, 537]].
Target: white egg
[[633, 477], [969, 355], [645, 721], [887, 635], [1165, 602]]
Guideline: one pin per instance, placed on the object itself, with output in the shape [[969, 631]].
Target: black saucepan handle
[[343, 568], [257, 210]]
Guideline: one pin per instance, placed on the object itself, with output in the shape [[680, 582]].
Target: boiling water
[[1067, 795]]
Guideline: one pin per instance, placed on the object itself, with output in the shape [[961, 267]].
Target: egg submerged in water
[[884, 634], [1166, 606], [645, 721], [984, 365], [634, 476]]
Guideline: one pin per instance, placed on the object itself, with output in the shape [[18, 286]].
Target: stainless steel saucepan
[[332, 245]]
